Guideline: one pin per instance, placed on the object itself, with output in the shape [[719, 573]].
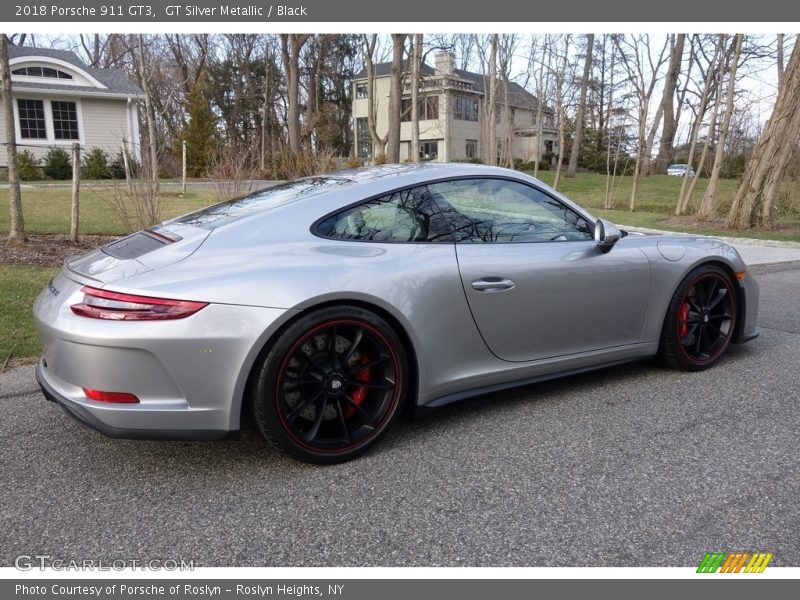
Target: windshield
[[233, 210]]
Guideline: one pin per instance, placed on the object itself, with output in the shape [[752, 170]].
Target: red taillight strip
[[150, 309], [113, 397]]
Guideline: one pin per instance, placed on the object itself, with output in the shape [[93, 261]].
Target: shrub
[[57, 164], [117, 168], [380, 159], [28, 166], [287, 165], [353, 162], [95, 165]]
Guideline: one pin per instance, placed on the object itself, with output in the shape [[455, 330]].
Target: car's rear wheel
[[330, 384], [700, 320]]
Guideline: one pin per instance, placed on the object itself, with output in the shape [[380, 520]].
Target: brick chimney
[[445, 63]]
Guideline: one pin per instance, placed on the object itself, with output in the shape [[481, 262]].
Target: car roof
[[426, 170]]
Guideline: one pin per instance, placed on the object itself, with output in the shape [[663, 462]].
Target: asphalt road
[[630, 466]]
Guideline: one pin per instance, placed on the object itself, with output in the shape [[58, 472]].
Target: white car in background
[[679, 170]]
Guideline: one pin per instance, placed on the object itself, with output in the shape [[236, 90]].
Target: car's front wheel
[[330, 384], [700, 320]]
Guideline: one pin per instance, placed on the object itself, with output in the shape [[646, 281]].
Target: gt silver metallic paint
[[476, 317]]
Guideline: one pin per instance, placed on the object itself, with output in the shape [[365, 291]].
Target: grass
[[656, 198], [19, 285], [47, 209]]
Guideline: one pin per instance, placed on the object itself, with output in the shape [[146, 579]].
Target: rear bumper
[[748, 310], [84, 416]]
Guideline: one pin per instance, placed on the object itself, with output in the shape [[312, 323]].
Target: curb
[[730, 240]]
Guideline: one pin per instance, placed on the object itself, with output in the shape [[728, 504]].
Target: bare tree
[[665, 150], [416, 63], [561, 75], [688, 182], [149, 114], [710, 198], [489, 108], [291, 44], [762, 178], [378, 142], [395, 97], [579, 118], [542, 71], [643, 68], [16, 233]]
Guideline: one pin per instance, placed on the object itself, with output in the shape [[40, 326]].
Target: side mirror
[[606, 234]]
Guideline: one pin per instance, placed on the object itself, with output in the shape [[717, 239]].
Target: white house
[[58, 100], [450, 105]]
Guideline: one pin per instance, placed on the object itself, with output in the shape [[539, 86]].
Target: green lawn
[[47, 209], [656, 199], [19, 286]]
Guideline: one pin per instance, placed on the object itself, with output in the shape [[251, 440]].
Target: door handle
[[492, 284]]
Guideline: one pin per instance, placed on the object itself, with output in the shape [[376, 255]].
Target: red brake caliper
[[360, 393], [683, 316]]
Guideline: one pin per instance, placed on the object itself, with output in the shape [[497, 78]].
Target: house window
[[363, 138], [65, 120], [361, 90], [31, 119], [472, 149], [465, 108], [548, 145], [428, 150], [428, 108], [41, 72]]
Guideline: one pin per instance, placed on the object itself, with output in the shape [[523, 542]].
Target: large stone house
[[58, 100], [450, 107]]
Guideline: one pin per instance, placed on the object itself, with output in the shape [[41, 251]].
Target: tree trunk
[[576, 143], [763, 176], [665, 148], [779, 61], [637, 167], [688, 182], [291, 44], [150, 117], [395, 97], [490, 106], [560, 109], [378, 142], [16, 233], [416, 58], [710, 198]]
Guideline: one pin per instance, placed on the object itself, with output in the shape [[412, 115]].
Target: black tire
[[700, 320], [330, 385]]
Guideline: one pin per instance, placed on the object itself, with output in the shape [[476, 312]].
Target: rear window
[[233, 210]]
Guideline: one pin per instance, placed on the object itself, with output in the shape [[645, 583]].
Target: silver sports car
[[327, 304]]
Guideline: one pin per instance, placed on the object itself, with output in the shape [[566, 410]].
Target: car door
[[537, 284]]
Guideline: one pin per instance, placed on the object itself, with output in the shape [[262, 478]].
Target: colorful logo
[[734, 562]]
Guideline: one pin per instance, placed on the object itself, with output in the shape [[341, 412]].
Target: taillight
[[115, 306], [113, 397]]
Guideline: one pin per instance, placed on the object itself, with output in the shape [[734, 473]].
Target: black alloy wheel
[[700, 320], [330, 385]]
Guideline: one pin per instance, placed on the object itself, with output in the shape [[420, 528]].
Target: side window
[[499, 210], [405, 216]]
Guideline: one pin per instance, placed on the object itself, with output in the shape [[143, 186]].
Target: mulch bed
[[48, 250]]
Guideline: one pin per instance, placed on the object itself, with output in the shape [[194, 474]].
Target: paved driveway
[[633, 465]]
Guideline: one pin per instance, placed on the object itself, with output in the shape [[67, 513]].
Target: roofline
[[60, 62], [78, 93]]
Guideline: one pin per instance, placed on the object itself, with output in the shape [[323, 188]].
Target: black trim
[[86, 418], [497, 387]]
